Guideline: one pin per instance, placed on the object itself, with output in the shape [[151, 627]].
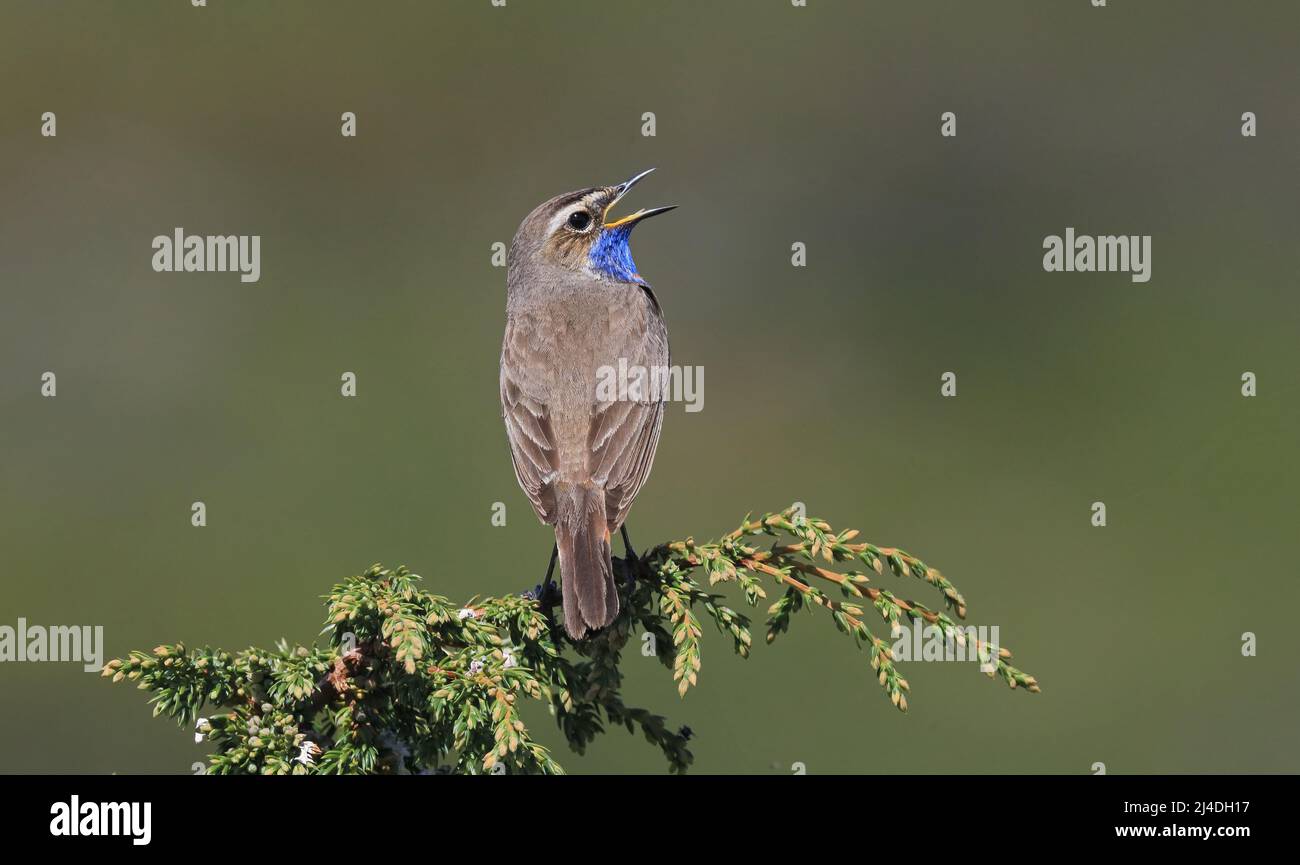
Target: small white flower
[[510, 658], [199, 725], [307, 752], [465, 613], [475, 667]]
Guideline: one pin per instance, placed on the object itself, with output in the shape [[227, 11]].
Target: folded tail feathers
[[586, 573]]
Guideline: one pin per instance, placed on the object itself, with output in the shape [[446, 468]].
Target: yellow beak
[[619, 192]]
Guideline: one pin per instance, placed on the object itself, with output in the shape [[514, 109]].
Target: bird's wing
[[624, 433], [624, 436], [528, 426]]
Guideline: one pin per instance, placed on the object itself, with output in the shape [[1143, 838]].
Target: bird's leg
[[627, 543], [631, 561], [548, 585], [546, 591]]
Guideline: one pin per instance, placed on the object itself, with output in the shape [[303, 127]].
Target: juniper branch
[[409, 682]]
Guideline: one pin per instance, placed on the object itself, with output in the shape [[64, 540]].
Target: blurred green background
[[775, 125]]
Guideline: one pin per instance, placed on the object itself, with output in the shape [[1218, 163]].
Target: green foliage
[[410, 682]]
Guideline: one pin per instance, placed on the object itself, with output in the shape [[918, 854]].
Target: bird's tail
[[586, 573]]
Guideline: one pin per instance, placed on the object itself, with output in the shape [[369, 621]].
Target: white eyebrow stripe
[[559, 218]]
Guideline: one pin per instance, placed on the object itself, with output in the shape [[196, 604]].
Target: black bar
[[964, 812]]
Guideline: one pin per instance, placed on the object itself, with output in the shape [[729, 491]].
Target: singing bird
[[576, 307]]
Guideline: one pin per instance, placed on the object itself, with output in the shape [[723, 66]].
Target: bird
[[577, 308]]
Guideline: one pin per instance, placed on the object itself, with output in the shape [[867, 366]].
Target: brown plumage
[[576, 307]]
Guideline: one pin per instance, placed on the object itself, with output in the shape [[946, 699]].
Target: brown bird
[[578, 312]]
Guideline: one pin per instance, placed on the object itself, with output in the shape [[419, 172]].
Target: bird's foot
[[546, 593], [632, 571]]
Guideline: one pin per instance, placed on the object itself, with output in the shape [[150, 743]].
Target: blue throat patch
[[612, 256]]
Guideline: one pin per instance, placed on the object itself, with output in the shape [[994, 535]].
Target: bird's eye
[[579, 220]]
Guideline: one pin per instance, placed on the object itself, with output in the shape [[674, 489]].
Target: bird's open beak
[[631, 219]]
